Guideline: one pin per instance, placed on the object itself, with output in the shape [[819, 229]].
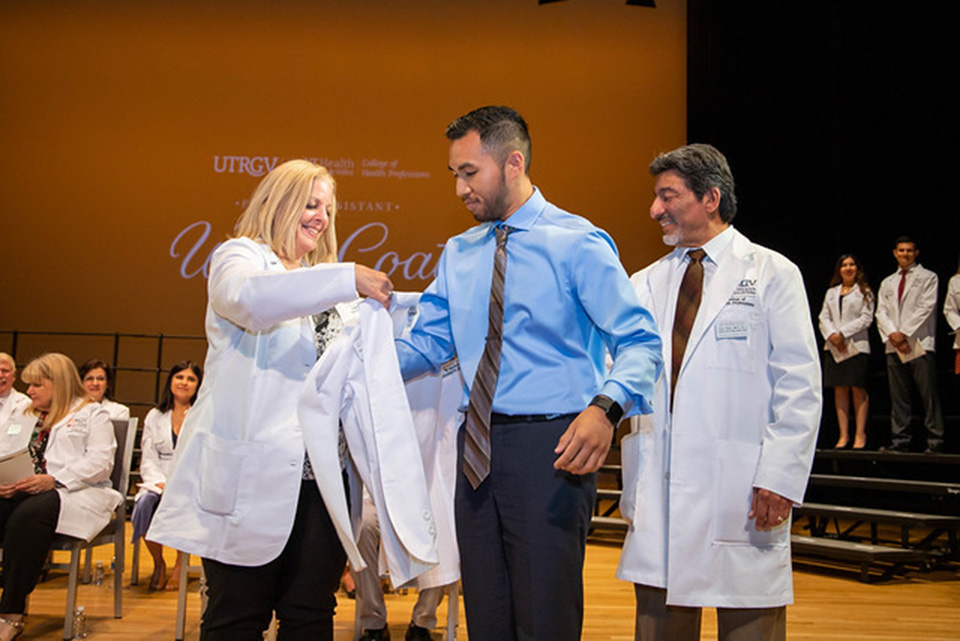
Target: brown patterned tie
[[688, 302], [476, 445]]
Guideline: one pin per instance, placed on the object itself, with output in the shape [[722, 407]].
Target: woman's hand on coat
[[373, 284], [36, 484], [7, 491]]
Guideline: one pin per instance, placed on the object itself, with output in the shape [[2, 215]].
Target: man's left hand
[[769, 509], [583, 447]]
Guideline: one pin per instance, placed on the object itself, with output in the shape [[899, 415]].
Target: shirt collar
[[714, 247], [527, 215]]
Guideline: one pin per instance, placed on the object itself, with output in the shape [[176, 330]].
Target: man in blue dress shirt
[[567, 300]]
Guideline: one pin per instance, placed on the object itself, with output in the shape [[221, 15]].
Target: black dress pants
[[522, 536], [28, 523], [299, 585]]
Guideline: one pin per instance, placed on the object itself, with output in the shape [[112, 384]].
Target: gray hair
[[702, 168]]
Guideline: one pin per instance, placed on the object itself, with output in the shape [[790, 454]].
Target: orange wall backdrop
[[131, 133]]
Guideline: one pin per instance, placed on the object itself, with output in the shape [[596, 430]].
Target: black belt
[[501, 419]]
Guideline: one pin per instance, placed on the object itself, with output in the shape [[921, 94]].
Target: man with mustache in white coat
[[711, 479]]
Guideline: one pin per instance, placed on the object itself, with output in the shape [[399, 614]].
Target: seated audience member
[[846, 315], [160, 431], [70, 493], [12, 403], [97, 378], [951, 309]]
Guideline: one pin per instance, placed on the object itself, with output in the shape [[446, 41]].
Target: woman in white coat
[[97, 379], [241, 492], [161, 429], [844, 319], [72, 446], [951, 309]]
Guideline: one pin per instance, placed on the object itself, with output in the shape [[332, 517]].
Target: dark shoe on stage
[[893, 448], [933, 450], [416, 633], [383, 634]]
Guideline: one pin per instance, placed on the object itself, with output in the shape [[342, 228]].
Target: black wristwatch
[[610, 407]]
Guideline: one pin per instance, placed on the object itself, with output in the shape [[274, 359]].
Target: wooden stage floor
[[829, 605]]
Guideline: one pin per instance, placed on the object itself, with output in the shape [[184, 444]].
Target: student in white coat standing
[[710, 481], [242, 494], [73, 446], [907, 322], [951, 309], [844, 319]]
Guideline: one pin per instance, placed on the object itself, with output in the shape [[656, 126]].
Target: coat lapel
[[730, 271]]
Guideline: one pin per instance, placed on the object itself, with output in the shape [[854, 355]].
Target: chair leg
[[453, 610], [71, 593], [135, 563], [86, 566], [119, 550], [182, 597]]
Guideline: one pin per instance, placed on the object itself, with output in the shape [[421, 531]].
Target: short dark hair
[[96, 363], [702, 168], [166, 396], [502, 131], [905, 239]]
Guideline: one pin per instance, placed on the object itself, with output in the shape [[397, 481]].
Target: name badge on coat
[[727, 330]]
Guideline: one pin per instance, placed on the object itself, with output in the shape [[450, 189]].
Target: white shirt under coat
[[746, 414], [851, 321]]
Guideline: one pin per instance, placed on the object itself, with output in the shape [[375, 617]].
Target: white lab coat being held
[[746, 413], [357, 384]]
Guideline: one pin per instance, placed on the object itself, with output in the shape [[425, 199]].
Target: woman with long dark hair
[[846, 315], [161, 429]]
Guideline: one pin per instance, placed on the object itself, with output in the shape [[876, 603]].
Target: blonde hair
[[273, 215], [6, 358], [62, 373]]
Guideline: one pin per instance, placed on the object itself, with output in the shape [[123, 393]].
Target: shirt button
[[426, 515]]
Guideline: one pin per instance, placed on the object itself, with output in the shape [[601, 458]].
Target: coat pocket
[[223, 465], [734, 487]]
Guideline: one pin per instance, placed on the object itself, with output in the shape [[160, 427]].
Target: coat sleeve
[[96, 462], [795, 399], [242, 289], [951, 303], [885, 322], [827, 326], [150, 469]]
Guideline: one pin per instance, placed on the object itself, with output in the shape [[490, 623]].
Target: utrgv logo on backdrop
[[262, 165]]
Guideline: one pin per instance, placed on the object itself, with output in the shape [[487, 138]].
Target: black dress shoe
[[893, 448], [383, 634], [933, 450], [416, 633]]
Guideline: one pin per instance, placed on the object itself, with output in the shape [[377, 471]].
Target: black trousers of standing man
[[522, 536]]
